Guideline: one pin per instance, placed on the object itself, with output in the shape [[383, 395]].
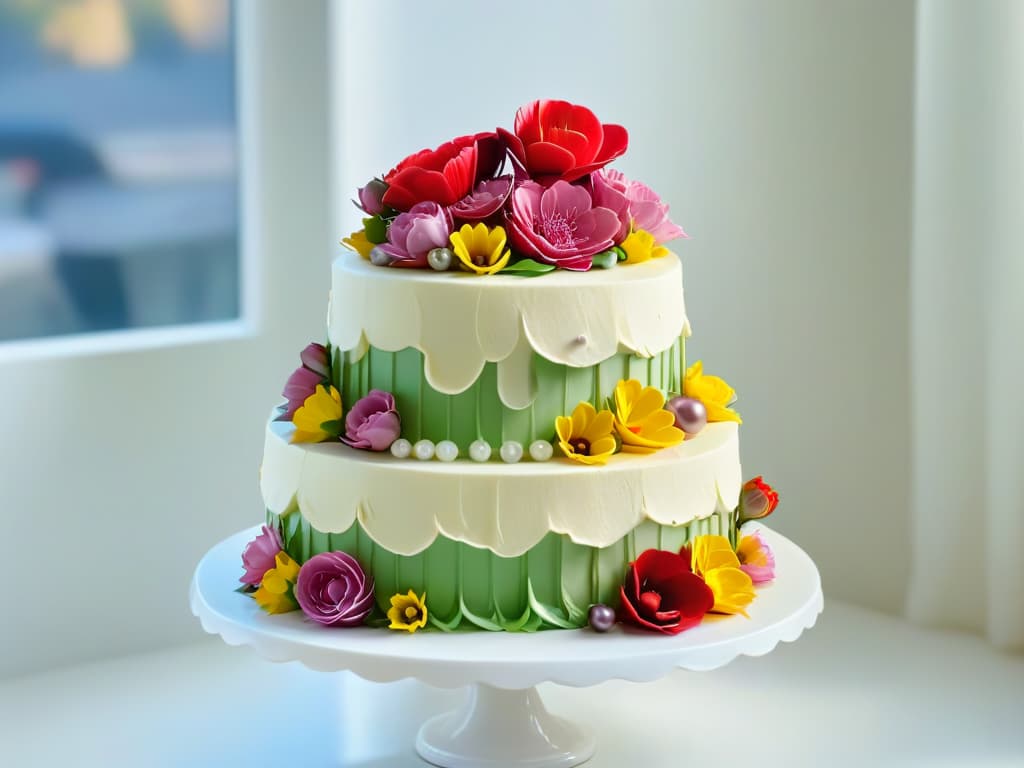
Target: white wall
[[780, 133], [118, 471]]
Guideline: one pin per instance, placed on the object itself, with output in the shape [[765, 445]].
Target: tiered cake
[[502, 432]]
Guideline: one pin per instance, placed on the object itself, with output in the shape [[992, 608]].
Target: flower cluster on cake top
[[522, 202]]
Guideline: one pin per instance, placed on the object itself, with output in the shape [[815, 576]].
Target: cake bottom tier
[[551, 586]]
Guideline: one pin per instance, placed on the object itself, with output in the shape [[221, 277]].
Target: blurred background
[[175, 176]]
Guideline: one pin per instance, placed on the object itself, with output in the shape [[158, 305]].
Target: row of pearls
[[511, 451]]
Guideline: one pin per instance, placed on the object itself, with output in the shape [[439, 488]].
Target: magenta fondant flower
[[756, 558], [486, 199], [412, 235], [373, 423], [560, 224], [371, 197], [259, 554], [315, 369], [333, 590], [610, 196], [645, 207]]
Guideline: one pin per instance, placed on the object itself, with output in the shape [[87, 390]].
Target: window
[[118, 181]]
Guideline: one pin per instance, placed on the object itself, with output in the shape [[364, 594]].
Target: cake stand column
[[496, 728]]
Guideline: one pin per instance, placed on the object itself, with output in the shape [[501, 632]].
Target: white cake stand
[[503, 721]]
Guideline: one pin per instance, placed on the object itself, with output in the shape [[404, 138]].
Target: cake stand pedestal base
[[498, 728]]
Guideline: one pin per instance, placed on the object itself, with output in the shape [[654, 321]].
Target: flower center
[[651, 601], [582, 446], [558, 230], [412, 613]]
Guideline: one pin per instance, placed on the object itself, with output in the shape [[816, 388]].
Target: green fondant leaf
[[332, 427], [527, 268], [605, 260], [619, 253], [376, 229], [480, 621], [445, 626], [547, 613]]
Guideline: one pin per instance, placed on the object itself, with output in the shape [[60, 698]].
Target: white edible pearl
[[447, 450], [423, 450], [511, 451], [401, 448], [540, 450], [480, 450]]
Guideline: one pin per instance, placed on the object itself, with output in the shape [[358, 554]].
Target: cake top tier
[[557, 207]]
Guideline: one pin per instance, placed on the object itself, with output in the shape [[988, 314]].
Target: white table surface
[[860, 689]]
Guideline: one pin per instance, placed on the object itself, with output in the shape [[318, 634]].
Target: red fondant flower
[[559, 140], [443, 175], [757, 501], [662, 594]]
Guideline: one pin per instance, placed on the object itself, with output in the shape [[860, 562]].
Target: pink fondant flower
[[645, 207], [373, 423], [315, 369], [560, 224], [412, 235], [610, 196], [756, 558], [259, 554], [333, 590], [486, 199]]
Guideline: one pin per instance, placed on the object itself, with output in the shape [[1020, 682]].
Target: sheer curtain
[[967, 320]]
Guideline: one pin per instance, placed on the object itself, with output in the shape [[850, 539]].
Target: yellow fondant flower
[[408, 612], [359, 243], [640, 245], [480, 249], [641, 419], [586, 436], [713, 559], [319, 417], [712, 391], [275, 592]]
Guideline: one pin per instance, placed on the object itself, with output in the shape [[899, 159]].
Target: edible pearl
[[511, 451], [446, 450], [691, 415], [423, 450], [401, 448], [440, 259], [480, 450], [601, 617], [380, 258], [540, 450], [581, 339]]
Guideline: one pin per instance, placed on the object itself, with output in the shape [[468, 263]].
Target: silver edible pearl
[[581, 339], [401, 448], [423, 450], [691, 415], [446, 450], [440, 259], [541, 450], [601, 617], [480, 450], [511, 451], [380, 258]]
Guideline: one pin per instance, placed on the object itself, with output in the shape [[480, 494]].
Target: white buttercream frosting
[[507, 508], [461, 321]]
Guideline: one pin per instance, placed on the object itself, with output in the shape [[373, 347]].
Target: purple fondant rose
[[486, 199], [333, 590], [315, 369], [373, 423], [412, 235], [259, 554]]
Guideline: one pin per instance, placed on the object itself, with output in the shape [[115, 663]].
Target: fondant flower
[[275, 594], [412, 235], [609, 196], [641, 419], [586, 436], [480, 249], [319, 417], [757, 500], [408, 612], [371, 197], [333, 590], [486, 199], [559, 140], [712, 391], [373, 423], [359, 243], [662, 594], [443, 175], [640, 247], [756, 558], [258, 556], [713, 559], [315, 369], [646, 210], [560, 225]]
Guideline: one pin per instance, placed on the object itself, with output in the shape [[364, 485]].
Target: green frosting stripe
[[551, 586], [478, 412]]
